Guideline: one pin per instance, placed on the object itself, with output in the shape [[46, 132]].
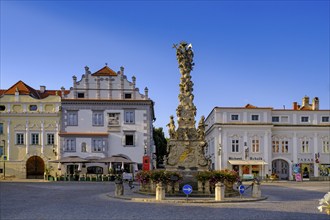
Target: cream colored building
[[29, 126], [262, 141]]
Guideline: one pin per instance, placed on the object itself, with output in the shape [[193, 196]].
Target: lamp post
[[4, 159]]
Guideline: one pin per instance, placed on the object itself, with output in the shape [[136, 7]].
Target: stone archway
[[35, 168], [281, 168]]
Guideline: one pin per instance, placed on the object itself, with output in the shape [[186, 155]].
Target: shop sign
[[255, 158], [308, 160], [235, 158]]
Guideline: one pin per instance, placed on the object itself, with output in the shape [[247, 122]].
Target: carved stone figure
[[201, 128], [171, 128]]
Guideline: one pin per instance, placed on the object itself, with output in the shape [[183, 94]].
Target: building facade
[[29, 126], [265, 141], [104, 115]]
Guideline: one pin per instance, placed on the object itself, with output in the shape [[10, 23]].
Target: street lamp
[[4, 159]]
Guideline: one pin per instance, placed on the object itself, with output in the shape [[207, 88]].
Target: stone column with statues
[[185, 149]]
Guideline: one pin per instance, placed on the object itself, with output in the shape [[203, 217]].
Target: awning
[[247, 162]]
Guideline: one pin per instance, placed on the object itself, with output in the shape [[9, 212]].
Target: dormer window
[[33, 108], [128, 95], [81, 95]]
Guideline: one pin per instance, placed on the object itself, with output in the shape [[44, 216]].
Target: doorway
[[35, 168], [281, 168]]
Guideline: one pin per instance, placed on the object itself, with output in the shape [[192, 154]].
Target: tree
[[161, 145]]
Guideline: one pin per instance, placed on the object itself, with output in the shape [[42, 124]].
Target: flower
[[325, 204]]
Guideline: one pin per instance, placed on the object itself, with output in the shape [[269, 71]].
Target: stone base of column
[[256, 191], [160, 192]]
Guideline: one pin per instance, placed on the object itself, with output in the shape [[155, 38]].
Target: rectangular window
[[129, 140], [276, 146], [304, 147], [234, 145], [97, 145], [234, 117], [304, 119], [19, 138], [113, 119], [81, 95], [129, 117], [284, 119], [285, 147], [50, 139], [255, 146], [1, 151], [70, 145], [325, 147], [35, 138], [98, 119], [1, 128], [255, 117], [275, 119], [72, 118], [128, 95], [325, 118]]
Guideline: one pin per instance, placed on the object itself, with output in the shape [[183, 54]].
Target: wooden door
[[35, 168]]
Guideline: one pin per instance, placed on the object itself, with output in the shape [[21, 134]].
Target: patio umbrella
[[71, 159]]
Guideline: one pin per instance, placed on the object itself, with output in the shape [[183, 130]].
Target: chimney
[[146, 92], [295, 106], [316, 103], [42, 89], [305, 101], [62, 91]]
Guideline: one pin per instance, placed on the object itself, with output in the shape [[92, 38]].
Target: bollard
[[219, 192], [256, 191], [119, 190], [160, 192]]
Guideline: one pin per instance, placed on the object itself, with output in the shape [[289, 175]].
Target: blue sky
[[266, 53]]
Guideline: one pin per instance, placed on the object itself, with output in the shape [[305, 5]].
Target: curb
[[183, 200]]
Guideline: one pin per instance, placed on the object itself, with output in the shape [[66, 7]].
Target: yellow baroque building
[[29, 126]]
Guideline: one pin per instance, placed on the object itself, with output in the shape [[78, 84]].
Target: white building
[[262, 141], [104, 115]]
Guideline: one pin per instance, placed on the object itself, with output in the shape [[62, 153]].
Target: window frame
[[32, 109], [235, 145], [325, 146], [1, 128], [99, 145], [233, 116], [19, 138], [128, 94], [35, 138], [98, 118], [255, 145], [255, 115], [278, 119], [323, 117], [302, 121], [50, 138], [69, 145], [133, 140], [80, 95], [129, 119], [305, 146], [74, 120]]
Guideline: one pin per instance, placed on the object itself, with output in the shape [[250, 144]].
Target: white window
[[129, 117], [285, 147], [325, 118], [235, 145], [255, 117], [325, 147], [276, 146], [19, 138], [72, 118], [50, 139], [35, 138], [304, 146], [97, 145], [255, 146], [98, 119], [304, 119], [234, 117], [70, 145]]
